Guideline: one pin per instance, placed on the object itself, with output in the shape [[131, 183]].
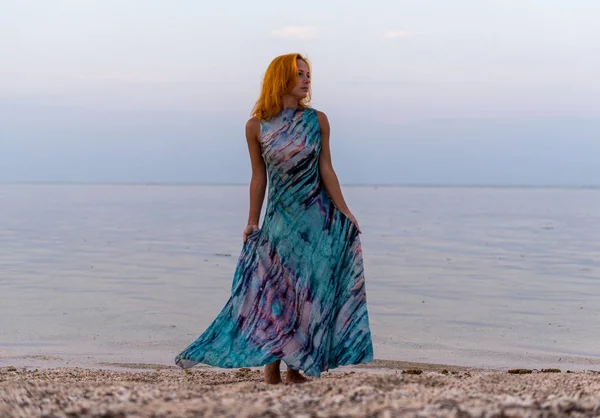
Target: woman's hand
[[354, 221], [248, 230]]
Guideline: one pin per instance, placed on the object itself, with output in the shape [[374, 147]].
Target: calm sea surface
[[131, 273]]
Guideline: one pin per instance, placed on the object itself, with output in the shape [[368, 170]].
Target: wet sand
[[380, 389]]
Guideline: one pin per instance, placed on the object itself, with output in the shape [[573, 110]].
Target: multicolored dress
[[298, 292]]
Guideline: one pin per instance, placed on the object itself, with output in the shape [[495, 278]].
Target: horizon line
[[399, 185]]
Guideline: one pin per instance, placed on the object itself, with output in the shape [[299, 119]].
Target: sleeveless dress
[[298, 291]]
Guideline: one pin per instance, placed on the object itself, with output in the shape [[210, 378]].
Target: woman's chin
[[301, 95]]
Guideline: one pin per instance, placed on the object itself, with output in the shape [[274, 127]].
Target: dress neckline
[[294, 109]]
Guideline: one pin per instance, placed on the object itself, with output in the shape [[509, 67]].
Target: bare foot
[[294, 376], [272, 373]]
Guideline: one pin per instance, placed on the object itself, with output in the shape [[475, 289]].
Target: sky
[[461, 92]]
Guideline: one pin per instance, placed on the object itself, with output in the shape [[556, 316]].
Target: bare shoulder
[[253, 127], [321, 115], [323, 121], [253, 123]]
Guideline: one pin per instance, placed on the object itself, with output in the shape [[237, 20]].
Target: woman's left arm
[[328, 176]]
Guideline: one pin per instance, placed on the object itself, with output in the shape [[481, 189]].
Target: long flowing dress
[[298, 291]]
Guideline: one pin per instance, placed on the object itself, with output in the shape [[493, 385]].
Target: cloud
[[395, 34], [295, 32]]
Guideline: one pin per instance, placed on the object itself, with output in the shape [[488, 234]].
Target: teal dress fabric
[[298, 291]]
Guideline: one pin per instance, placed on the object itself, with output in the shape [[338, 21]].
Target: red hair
[[278, 81]]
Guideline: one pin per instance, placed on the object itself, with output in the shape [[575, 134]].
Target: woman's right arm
[[258, 182]]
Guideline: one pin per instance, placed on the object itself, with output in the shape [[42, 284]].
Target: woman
[[298, 292]]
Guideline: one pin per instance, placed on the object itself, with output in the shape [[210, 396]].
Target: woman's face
[[302, 86]]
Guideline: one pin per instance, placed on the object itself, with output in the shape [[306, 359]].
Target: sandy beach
[[380, 389]]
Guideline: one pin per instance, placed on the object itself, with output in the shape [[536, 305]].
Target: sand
[[383, 389]]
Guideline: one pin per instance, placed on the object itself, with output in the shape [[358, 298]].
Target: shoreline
[[378, 366], [381, 389], [53, 361]]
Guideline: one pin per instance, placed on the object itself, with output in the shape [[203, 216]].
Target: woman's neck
[[290, 101]]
